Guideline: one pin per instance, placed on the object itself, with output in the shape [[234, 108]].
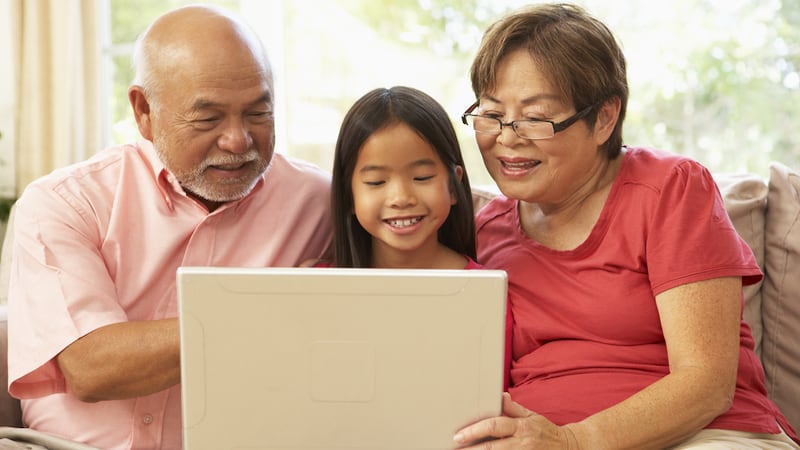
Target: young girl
[[401, 197]]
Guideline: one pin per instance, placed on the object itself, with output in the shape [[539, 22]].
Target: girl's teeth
[[402, 223]]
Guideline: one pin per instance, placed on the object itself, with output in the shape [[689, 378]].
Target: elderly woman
[[625, 272]]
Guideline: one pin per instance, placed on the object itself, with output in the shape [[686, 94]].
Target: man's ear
[[607, 117], [141, 111], [459, 172]]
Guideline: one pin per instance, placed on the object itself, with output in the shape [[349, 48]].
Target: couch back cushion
[[745, 197], [781, 294]]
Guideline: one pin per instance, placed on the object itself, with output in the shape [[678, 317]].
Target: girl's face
[[401, 196]]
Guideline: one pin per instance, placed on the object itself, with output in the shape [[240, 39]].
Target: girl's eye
[[374, 183], [424, 178]]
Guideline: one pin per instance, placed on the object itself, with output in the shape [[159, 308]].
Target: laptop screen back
[[324, 358]]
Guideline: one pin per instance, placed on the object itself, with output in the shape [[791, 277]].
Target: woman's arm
[[701, 325]]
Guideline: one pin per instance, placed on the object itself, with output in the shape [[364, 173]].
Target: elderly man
[[94, 346]]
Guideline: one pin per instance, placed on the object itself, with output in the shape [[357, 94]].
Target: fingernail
[[458, 437]]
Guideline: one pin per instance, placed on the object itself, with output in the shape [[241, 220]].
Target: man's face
[[214, 130]]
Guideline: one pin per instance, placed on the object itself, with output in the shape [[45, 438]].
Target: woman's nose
[[508, 136]]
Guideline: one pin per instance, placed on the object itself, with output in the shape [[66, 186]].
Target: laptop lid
[[326, 358]]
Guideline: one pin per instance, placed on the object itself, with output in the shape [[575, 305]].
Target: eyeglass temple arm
[[469, 110]]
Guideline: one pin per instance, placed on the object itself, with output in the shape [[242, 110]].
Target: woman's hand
[[517, 428]]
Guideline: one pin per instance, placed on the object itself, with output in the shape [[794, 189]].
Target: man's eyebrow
[[203, 103]]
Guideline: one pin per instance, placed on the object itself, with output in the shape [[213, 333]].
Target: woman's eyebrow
[[528, 100]]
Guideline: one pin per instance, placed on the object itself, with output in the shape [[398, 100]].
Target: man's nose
[[235, 137]]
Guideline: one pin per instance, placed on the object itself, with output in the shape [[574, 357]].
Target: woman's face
[[545, 171]]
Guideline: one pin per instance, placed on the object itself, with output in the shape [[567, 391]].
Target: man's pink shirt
[[98, 243]]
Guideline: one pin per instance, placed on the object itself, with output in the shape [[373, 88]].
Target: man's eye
[[261, 115], [205, 123]]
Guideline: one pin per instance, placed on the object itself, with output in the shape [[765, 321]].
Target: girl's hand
[[517, 428]]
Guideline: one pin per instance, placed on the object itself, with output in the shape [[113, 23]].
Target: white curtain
[[59, 74]]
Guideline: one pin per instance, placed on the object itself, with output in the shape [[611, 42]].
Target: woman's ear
[[141, 111], [459, 173], [607, 117]]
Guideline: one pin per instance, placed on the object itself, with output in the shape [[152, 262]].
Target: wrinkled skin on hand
[[518, 428]]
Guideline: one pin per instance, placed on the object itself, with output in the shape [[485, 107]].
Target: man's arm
[[123, 360]]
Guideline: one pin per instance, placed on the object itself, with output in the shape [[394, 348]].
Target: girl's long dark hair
[[374, 111]]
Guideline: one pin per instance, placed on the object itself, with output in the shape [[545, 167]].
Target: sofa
[[766, 213]]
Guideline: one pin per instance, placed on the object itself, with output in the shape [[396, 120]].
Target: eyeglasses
[[526, 129]]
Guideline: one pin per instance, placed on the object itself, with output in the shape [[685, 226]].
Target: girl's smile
[[401, 194]]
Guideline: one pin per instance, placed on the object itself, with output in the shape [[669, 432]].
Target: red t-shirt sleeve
[[689, 226]]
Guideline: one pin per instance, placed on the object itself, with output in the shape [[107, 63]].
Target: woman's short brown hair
[[577, 52]]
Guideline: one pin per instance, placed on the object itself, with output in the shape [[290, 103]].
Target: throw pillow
[[781, 294]]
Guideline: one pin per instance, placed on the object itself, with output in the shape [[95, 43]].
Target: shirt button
[[147, 419]]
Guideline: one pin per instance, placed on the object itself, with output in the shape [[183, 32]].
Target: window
[[717, 80]]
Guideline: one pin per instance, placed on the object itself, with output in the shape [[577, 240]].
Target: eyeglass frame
[[557, 126]]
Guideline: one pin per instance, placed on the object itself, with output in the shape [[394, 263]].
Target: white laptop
[[325, 358]]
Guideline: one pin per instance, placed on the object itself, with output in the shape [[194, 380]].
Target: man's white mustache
[[250, 156]]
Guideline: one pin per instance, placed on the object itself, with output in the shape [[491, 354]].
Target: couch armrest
[[10, 412]]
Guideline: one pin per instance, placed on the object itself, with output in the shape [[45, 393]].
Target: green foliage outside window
[[716, 80]]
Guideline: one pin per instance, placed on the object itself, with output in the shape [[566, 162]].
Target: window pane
[[715, 80]]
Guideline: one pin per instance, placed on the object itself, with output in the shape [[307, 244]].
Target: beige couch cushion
[[481, 195], [781, 301], [10, 413], [745, 197]]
